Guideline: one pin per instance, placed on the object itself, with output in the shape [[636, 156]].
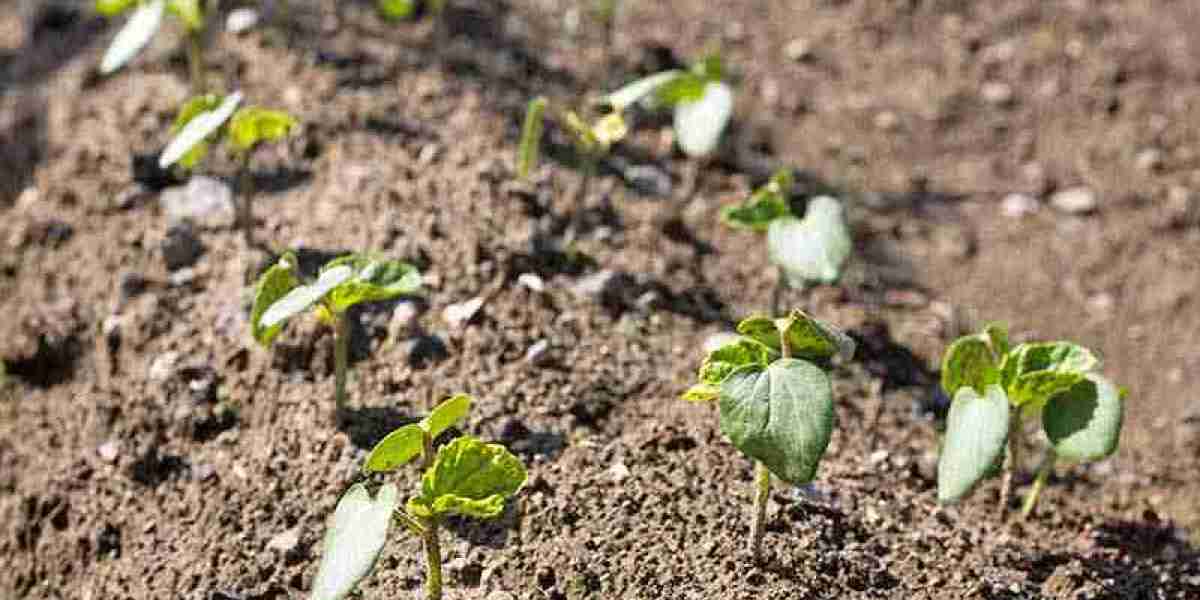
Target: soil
[[148, 449]]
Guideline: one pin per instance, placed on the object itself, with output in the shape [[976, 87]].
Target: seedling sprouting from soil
[[343, 282], [146, 19], [775, 398], [205, 119], [995, 387], [808, 250], [466, 477]]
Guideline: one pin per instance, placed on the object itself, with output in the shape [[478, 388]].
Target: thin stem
[[433, 548], [196, 60], [412, 523], [1044, 471], [762, 492], [1012, 461], [245, 207], [341, 348]]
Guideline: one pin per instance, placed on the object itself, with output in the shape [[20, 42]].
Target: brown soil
[[119, 480]]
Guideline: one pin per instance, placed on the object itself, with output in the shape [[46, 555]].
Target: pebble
[[109, 451], [285, 542], [1181, 209], [996, 93], [162, 367], [1149, 160], [459, 314], [619, 472], [205, 201], [1017, 205], [878, 457], [1074, 201], [183, 277], [887, 121], [180, 247], [539, 353], [798, 50], [241, 20], [649, 180], [532, 281]]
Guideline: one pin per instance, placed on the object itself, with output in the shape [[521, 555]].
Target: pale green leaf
[[469, 478], [1084, 422], [198, 129], [763, 330], [273, 285], [303, 297], [112, 8], [446, 414], [253, 125], [373, 279], [134, 36], [631, 93], [395, 10], [396, 449], [190, 12], [702, 392], [610, 129], [976, 431], [683, 87], [355, 536], [732, 356], [810, 339], [531, 137], [699, 124], [781, 416], [1032, 390], [997, 336], [1047, 356], [969, 362], [768, 203], [814, 248]]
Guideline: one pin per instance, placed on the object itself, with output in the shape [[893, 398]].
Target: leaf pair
[[145, 21], [777, 410], [204, 118], [343, 282], [991, 384]]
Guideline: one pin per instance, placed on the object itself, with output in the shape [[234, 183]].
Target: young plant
[[205, 119], [775, 398], [146, 20], [807, 250], [465, 477], [995, 388], [342, 282]]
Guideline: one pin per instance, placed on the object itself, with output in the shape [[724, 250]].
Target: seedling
[[995, 388], [466, 477], [146, 19], [775, 398], [205, 119], [343, 282], [809, 250]]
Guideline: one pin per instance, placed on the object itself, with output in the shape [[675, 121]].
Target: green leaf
[[810, 339], [137, 32], [112, 8], [723, 361], [198, 128], [274, 284], [188, 11], [1084, 422], [623, 98], [997, 336], [763, 330], [374, 279], [781, 416], [702, 392], [765, 205], [976, 430], [1047, 356], [699, 123], [302, 297], [710, 68], [531, 137], [355, 536], [469, 478], [396, 10], [195, 106], [609, 129], [1031, 391], [396, 449], [969, 362], [446, 414], [252, 125], [814, 248]]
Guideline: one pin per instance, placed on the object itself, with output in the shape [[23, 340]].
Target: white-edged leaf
[[356, 535], [299, 299], [137, 32], [626, 96], [814, 248], [199, 128], [976, 430], [699, 124]]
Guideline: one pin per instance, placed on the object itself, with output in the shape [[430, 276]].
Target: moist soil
[[149, 449]]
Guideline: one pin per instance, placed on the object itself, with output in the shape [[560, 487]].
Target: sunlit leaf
[[273, 285], [631, 93], [446, 414], [301, 298], [396, 10], [531, 137], [702, 392], [969, 362], [198, 129], [610, 129], [469, 478], [355, 536], [252, 125], [723, 361], [396, 449], [811, 339], [374, 279], [1084, 422], [976, 432], [699, 123], [188, 11], [814, 248], [111, 8], [134, 36]]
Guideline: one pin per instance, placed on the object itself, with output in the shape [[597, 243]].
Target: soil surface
[[149, 449]]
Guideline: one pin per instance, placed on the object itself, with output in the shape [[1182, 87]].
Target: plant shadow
[[366, 425]]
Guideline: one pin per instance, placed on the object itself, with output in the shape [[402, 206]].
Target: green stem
[[1012, 461], [245, 207], [762, 492], [196, 60], [433, 548], [1044, 471], [341, 351]]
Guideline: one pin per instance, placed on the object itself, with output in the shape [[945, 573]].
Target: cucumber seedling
[[995, 388], [466, 477], [145, 20], [343, 282], [205, 119], [775, 398], [813, 249]]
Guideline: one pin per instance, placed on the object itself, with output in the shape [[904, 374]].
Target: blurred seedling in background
[[466, 477], [209, 118], [775, 398], [342, 283], [995, 389], [813, 249], [146, 18]]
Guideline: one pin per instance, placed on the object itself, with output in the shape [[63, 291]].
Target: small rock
[[285, 542], [182, 278], [429, 153], [203, 472], [648, 300], [241, 20], [109, 451], [649, 180], [596, 285], [1075, 201], [181, 248], [110, 328], [404, 319], [204, 201], [996, 93], [887, 121], [798, 50], [458, 315], [539, 353], [532, 281], [878, 457], [1149, 160], [163, 367], [619, 472], [1181, 209], [1015, 205]]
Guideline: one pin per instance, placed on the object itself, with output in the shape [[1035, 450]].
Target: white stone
[[996, 93], [1076, 201], [203, 200], [457, 315], [1015, 205], [532, 281], [241, 20], [163, 367]]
